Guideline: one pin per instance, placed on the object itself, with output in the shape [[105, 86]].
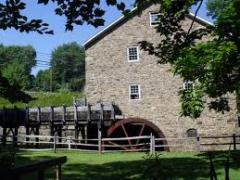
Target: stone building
[[118, 70]]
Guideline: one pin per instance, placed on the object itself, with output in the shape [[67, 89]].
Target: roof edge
[[98, 35], [120, 19]]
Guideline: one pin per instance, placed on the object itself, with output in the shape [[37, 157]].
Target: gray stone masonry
[[108, 75]]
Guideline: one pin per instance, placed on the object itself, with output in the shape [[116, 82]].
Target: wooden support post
[[234, 142], [76, 132], [51, 115], [4, 137], [63, 114], [39, 115], [88, 113], [15, 136], [101, 113], [58, 172], [26, 123], [75, 115], [15, 119], [60, 134], [27, 133], [37, 138]]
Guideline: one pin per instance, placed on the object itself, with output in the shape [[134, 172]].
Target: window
[[133, 54], [154, 18], [191, 133], [187, 85], [134, 91]]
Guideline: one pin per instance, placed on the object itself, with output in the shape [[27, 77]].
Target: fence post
[[55, 143], [99, 141], [234, 142], [69, 143], [151, 143], [58, 172]]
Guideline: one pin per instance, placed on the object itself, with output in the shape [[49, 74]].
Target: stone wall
[[108, 75]]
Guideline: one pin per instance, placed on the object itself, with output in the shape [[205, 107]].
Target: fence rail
[[140, 143]]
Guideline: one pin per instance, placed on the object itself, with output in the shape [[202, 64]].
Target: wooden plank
[[125, 138], [125, 145], [117, 145]]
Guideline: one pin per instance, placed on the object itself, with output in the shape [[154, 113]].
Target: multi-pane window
[[154, 18], [188, 85], [133, 54], [134, 91]]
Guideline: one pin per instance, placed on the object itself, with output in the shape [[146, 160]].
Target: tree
[[42, 80], [213, 65], [16, 64], [68, 66], [76, 13]]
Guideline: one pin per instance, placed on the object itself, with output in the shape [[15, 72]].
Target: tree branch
[[194, 19]]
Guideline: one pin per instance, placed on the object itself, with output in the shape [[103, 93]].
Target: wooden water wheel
[[132, 128]]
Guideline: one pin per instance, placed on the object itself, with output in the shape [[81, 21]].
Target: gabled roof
[[101, 34]]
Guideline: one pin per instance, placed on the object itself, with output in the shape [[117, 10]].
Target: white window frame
[[135, 60], [139, 91], [186, 85], [150, 19]]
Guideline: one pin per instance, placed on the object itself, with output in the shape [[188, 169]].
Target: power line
[[45, 60], [39, 52], [42, 65]]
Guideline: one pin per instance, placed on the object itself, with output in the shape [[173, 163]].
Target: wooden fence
[[139, 143], [39, 167]]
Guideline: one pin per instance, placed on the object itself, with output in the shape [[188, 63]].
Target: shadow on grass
[[161, 168], [220, 157], [172, 168]]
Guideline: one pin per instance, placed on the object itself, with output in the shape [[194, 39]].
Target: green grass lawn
[[113, 166], [44, 99]]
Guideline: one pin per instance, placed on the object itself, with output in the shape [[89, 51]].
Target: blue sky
[[44, 44]]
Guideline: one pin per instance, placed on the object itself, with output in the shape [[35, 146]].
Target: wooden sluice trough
[[56, 119], [84, 124]]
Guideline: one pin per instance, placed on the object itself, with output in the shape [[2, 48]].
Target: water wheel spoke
[[127, 136], [118, 145], [132, 127], [140, 133]]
